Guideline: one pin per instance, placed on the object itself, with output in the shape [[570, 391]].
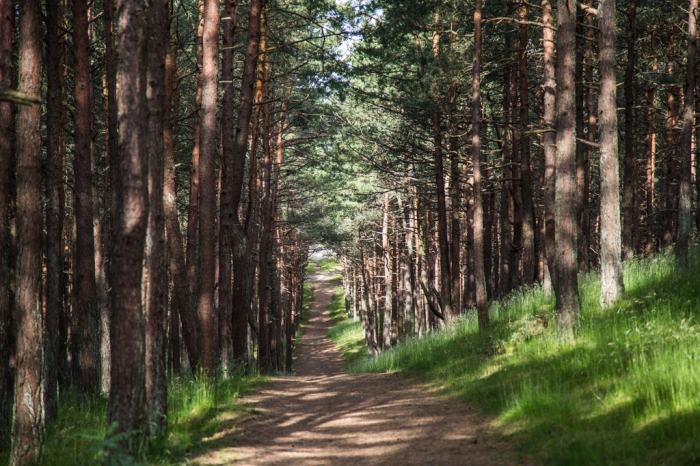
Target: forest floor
[[323, 416]]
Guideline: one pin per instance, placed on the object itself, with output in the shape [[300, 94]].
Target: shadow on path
[[322, 416]]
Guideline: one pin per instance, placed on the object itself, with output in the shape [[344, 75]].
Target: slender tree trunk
[[668, 172], [582, 150], [127, 396], [55, 199], [181, 308], [588, 221], [528, 207], [194, 205], [650, 142], [611, 283], [156, 318], [85, 341], [506, 210], [240, 309], [685, 197], [225, 196], [207, 180], [386, 259], [566, 280], [28, 419], [549, 149], [629, 231], [408, 303], [455, 231], [445, 282], [481, 300]]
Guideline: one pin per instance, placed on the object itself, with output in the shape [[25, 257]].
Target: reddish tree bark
[[443, 244], [127, 395], [85, 341], [549, 149], [155, 265], [207, 180], [28, 419], [566, 280], [55, 199], [7, 24]]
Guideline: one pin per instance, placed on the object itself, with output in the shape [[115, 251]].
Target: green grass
[[328, 264], [346, 333], [625, 391], [197, 409]]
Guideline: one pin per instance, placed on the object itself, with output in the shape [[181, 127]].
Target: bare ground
[[322, 416]]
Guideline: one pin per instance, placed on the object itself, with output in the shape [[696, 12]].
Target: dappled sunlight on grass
[[625, 391], [346, 333]]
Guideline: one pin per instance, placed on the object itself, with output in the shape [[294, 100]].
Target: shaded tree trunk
[[386, 261], [207, 194], [444, 247], [155, 263], [55, 200], [685, 195], [28, 419], [85, 327], [127, 395], [548, 99], [629, 227]]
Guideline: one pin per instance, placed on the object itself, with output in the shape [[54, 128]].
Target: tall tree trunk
[[455, 230], [386, 260], [28, 419], [444, 247], [112, 180], [156, 327], [55, 199], [225, 196], [7, 29], [506, 208], [582, 150], [588, 223], [549, 137], [240, 308], [207, 180], [668, 172], [194, 205], [566, 280], [629, 230], [182, 308], [650, 143], [127, 396], [408, 303], [611, 283], [85, 341], [685, 197], [480, 282], [528, 207]]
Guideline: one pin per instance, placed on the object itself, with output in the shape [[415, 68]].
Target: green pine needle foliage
[[626, 391]]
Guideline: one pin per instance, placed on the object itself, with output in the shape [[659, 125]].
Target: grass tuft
[[625, 391]]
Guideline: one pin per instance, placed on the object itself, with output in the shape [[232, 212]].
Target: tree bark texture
[[207, 183], [85, 342], [611, 283], [685, 143], [549, 137], [629, 227], [565, 270], [443, 244], [28, 419], [127, 395]]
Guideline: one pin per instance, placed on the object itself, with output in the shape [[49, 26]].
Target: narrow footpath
[[322, 416]]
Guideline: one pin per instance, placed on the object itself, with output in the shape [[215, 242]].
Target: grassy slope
[[626, 391], [346, 333], [196, 412]]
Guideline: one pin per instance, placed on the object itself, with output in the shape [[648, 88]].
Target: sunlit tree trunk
[[548, 104], [480, 282], [611, 284], [565, 270]]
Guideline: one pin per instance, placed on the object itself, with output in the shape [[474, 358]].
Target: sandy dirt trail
[[322, 416]]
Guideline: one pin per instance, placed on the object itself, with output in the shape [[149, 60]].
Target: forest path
[[322, 416]]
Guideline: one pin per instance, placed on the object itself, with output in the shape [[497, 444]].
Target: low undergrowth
[[625, 391], [196, 408], [346, 333]]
